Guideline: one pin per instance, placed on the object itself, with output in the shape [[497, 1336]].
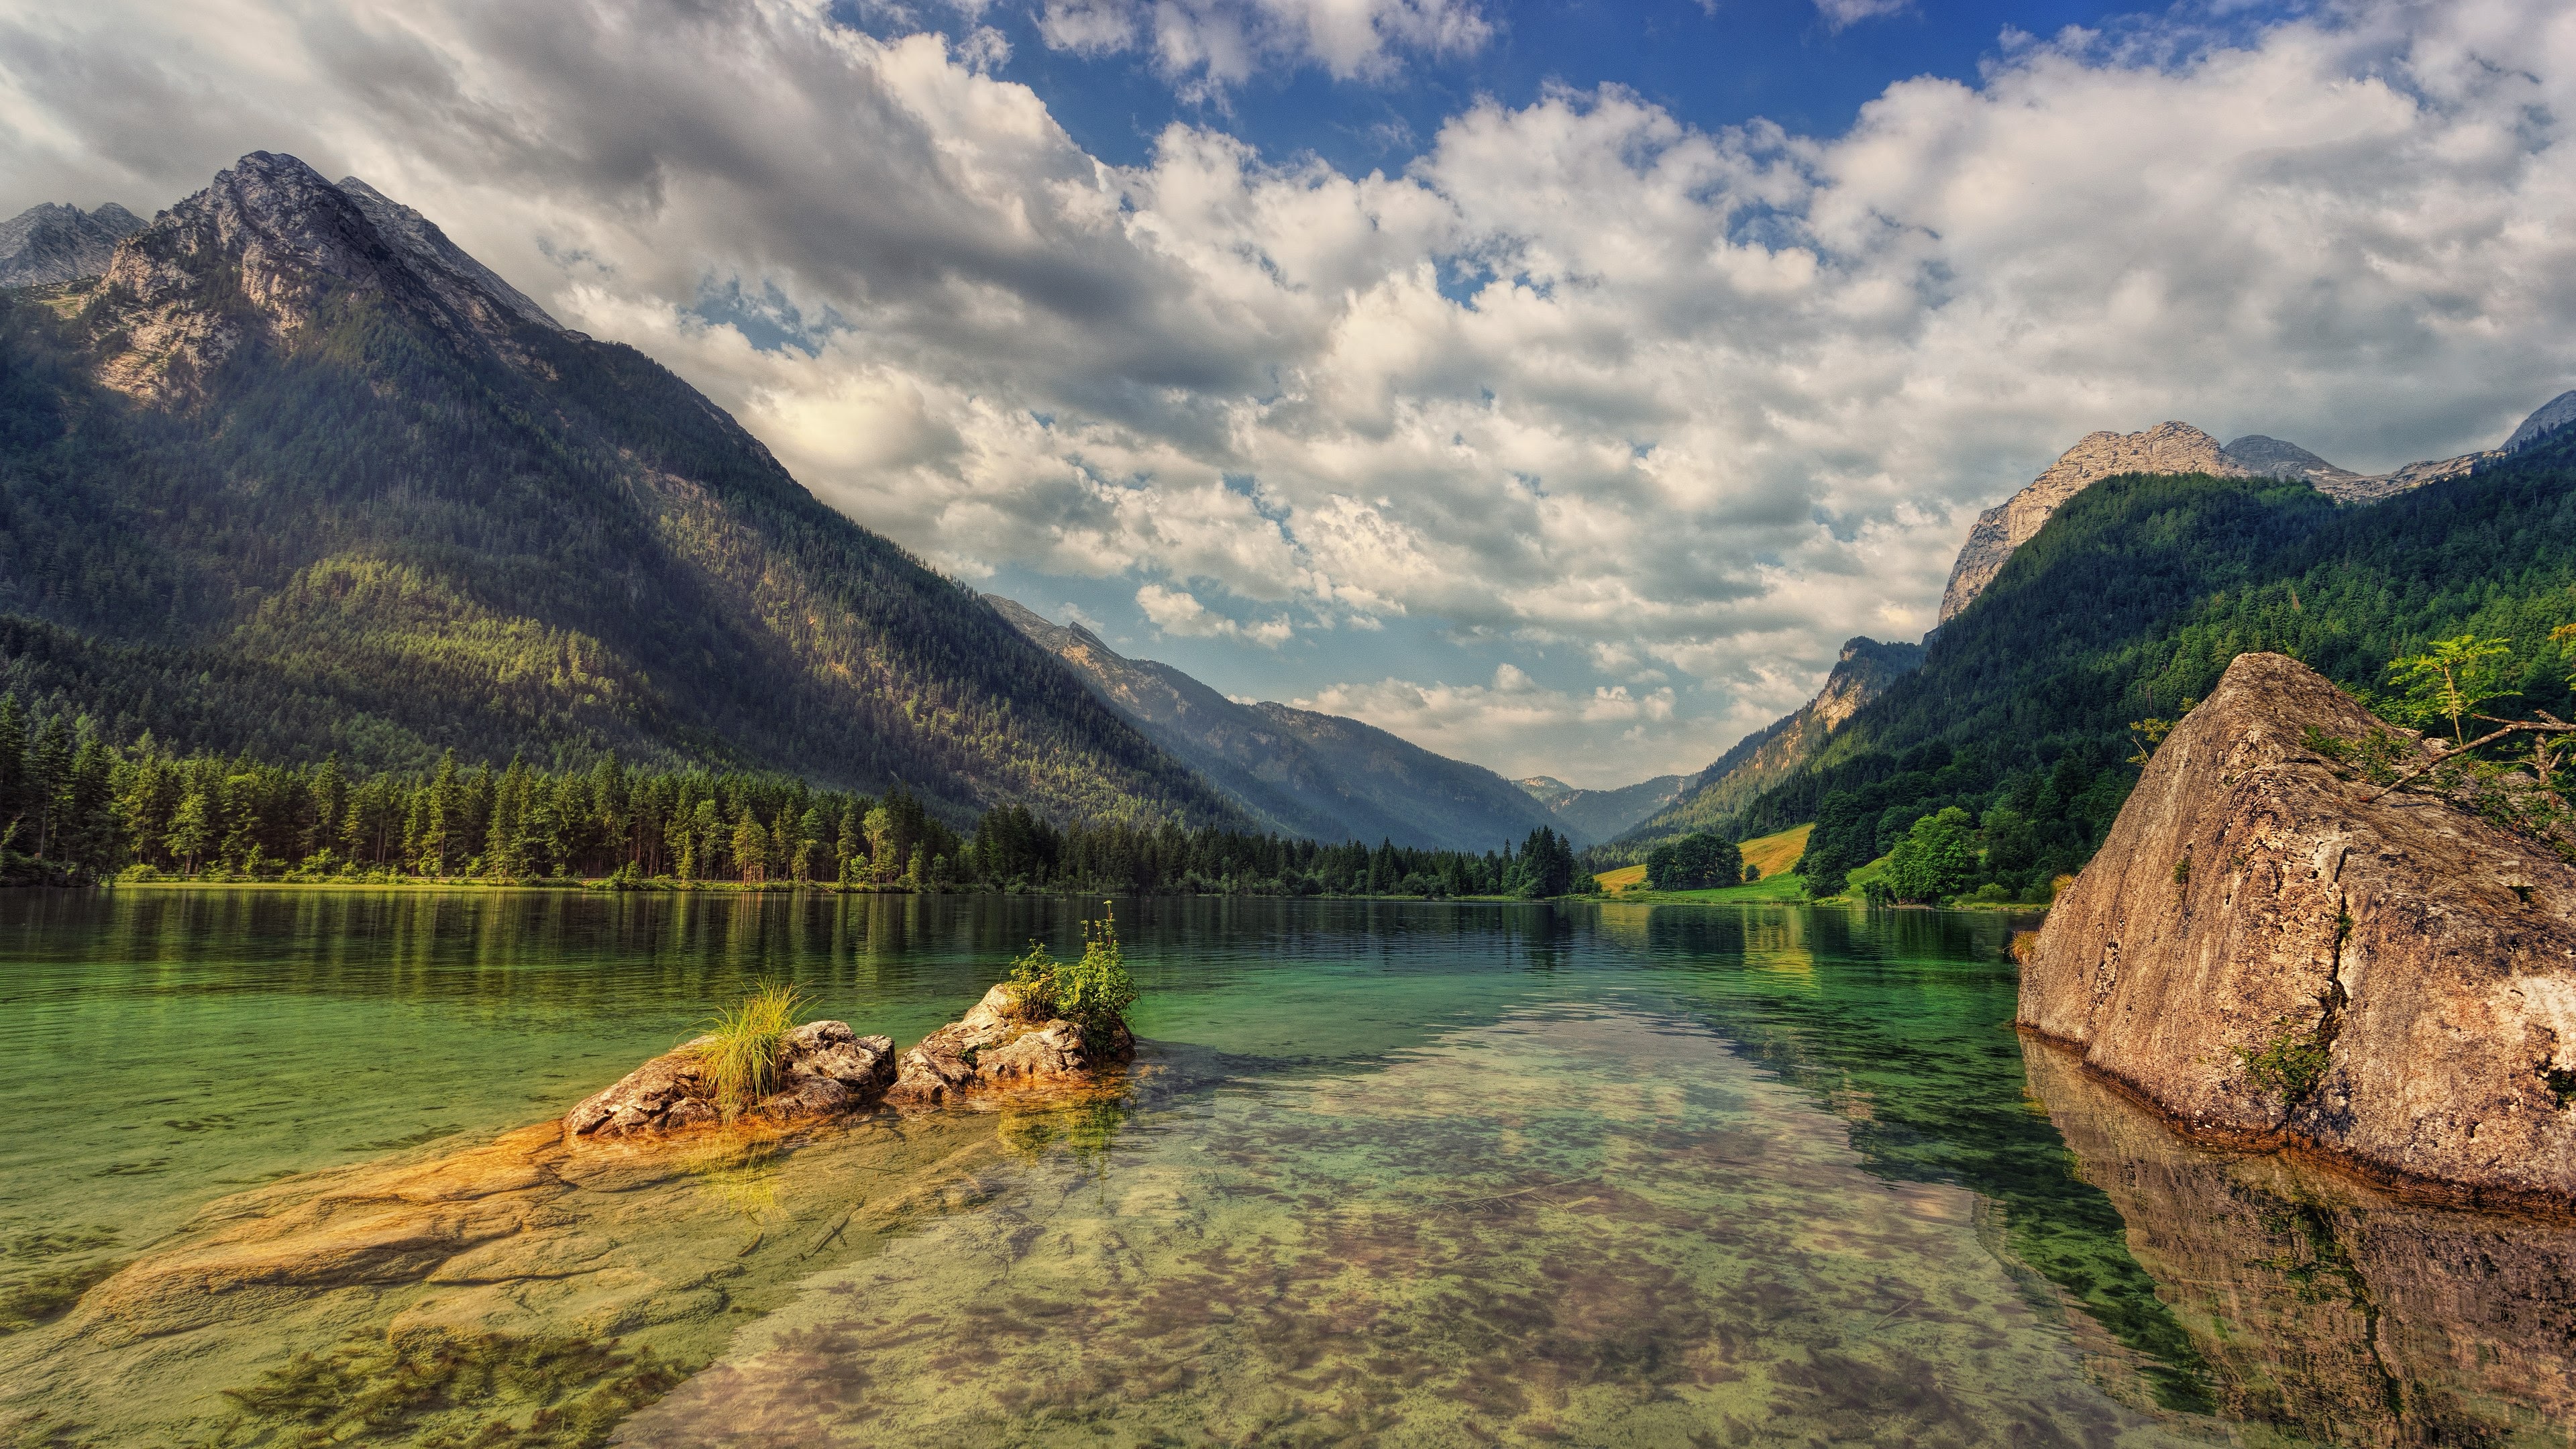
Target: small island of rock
[[2273, 952]]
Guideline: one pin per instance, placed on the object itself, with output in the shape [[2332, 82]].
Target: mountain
[[1297, 771], [46, 246], [2177, 448], [1769, 755], [2264, 457], [2131, 602], [1603, 814], [296, 477]]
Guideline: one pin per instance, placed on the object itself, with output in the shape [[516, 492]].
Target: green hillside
[[2131, 602], [275, 486]]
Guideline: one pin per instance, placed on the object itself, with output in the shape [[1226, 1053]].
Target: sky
[[1557, 386]]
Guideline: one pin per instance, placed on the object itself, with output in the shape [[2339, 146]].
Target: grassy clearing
[[1771, 854], [742, 1062], [1626, 877]]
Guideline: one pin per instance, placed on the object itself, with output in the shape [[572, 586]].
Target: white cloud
[[1208, 45], [1840, 14], [1510, 725], [1716, 402], [1178, 612]]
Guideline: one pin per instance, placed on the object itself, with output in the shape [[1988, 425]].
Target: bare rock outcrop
[[826, 1069], [2164, 448], [260, 254], [998, 1044], [2268, 953], [46, 246]]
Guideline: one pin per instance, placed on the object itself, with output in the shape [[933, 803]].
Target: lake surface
[[1383, 1173]]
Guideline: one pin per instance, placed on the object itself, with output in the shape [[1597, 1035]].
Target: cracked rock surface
[[2249, 899]]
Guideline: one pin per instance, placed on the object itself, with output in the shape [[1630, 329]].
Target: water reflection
[[1604, 1172], [2325, 1309]]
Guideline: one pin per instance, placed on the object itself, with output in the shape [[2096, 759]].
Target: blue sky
[[1556, 386], [1716, 65]]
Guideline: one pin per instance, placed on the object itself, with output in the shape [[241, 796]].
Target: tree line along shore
[[77, 810]]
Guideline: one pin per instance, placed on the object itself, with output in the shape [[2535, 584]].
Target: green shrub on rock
[[1093, 992]]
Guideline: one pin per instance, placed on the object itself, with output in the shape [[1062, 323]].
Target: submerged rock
[[995, 1044], [2266, 951], [827, 1068]]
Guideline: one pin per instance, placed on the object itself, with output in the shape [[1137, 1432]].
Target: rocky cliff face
[[46, 246], [2266, 952], [257, 255]]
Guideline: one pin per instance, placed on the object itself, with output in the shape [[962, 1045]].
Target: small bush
[[1092, 993], [742, 1062], [2292, 1063]]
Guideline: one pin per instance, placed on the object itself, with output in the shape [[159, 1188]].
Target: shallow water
[[1384, 1173]]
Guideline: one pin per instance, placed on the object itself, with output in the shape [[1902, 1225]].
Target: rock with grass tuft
[[823, 1069]]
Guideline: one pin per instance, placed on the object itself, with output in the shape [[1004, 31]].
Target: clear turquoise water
[[1387, 1173]]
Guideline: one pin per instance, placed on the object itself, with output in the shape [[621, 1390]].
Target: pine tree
[[330, 805]]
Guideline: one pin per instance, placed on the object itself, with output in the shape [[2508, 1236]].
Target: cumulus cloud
[[1509, 724], [1178, 612], [1663, 414]]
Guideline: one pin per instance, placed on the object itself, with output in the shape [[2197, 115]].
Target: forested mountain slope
[[1294, 770], [290, 482], [2134, 598]]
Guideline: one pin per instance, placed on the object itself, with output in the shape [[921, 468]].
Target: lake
[[1383, 1173]]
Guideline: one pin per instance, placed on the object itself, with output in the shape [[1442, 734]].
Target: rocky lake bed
[[1375, 1173]]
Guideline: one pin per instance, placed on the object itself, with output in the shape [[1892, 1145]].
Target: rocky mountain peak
[[255, 254], [465, 283], [2544, 422], [50, 244], [2169, 447], [2273, 458]]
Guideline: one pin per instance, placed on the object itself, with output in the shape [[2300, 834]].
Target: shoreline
[[2403, 1187]]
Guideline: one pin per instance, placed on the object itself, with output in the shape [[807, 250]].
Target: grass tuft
[[742, 1062]]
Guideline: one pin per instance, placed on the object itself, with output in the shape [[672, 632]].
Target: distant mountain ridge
[[1603, 814], [1298, 771], [1711, 801], [48, 245], [2175, 447], [294, 476]]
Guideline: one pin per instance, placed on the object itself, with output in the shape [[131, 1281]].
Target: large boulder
[[826, 1069], [2273, 952], [1000, 1043]]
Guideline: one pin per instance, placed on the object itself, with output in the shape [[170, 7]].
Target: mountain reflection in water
[[1385, 1173]]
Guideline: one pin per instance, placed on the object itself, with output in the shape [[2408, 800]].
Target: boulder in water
[[997, 1044], [826, 1069], [2271, 952]]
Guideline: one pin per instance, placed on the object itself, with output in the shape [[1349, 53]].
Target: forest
[[75, 809]]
